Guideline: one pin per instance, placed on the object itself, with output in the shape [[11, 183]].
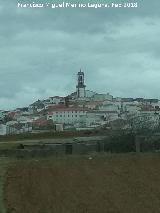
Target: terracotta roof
[[70, 109], [53, 107], [103, 112], [40, 121]]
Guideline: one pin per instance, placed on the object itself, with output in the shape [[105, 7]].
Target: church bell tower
[[81, 93]]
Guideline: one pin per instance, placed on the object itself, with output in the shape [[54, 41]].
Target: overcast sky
[[42, 49]]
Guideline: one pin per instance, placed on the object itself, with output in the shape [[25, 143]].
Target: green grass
[[8, 145], [35, 136], [50, 135]]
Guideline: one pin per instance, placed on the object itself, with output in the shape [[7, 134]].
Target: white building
[[3, 129], [102, 97], [96, 117], [131, 108], [67, 115], [93, 104], [56, 100], [21, 118], [15, 127], [90, 94], [109, 107]]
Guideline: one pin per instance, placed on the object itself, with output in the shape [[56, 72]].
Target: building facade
[[67, 115]]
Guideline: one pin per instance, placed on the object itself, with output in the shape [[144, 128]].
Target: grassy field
[[4, 163], [50, 135], [122, 183]]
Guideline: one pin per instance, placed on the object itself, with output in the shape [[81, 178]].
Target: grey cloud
[[41, 51]]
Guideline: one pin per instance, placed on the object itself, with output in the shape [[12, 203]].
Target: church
[[82, 94]]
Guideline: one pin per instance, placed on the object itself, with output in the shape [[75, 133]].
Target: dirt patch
[[4, 163], [113, 184]]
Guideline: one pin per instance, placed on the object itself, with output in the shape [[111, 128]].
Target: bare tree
[[142, 122]]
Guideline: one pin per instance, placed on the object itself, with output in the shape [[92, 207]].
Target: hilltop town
[[81, 110]]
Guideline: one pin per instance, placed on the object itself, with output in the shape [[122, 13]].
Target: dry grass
[[105, 184], [4, 163]]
